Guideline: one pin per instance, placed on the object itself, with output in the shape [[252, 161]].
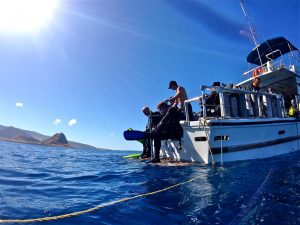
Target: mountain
[[80, 145], [31, 137], [37, 135], [27, 139], [57, 139], [2, 127], [11, 132]]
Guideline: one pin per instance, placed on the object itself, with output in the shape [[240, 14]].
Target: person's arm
[[167, 117], [176, 102], [164, 118]]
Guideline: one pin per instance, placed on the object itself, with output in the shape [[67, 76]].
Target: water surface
[[39, 181]]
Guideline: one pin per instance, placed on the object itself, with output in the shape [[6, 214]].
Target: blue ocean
[[40, 181]]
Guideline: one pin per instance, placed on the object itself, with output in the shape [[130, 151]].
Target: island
[[18, 135]]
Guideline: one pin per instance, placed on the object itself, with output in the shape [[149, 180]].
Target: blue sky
[[99, 62]]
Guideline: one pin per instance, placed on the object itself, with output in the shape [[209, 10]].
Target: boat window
[[221, 138], [281, 132], [201, 138]]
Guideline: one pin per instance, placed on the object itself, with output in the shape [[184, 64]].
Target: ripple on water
[[38, 181]]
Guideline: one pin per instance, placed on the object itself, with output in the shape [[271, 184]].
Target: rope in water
[[68, 215]]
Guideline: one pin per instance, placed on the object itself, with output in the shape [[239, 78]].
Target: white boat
[[246, 124]]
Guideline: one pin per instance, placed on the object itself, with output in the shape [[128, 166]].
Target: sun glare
[[25, 15]]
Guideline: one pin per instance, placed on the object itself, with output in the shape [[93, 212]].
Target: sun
[[25, 15]]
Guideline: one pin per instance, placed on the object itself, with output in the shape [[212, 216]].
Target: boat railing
[[186, 102], [250, 72], [284, 61], [238, 103]]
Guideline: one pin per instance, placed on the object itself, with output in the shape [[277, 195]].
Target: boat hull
[[234, 139]]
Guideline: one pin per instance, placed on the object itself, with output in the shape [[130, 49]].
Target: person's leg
[[148, 147], [157, 146], [190, 112], [144, 149], [157, 137]]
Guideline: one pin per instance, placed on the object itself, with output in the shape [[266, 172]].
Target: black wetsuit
[[168, 128], [153, 120]]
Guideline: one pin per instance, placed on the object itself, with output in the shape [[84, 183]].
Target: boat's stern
[[193, 146]]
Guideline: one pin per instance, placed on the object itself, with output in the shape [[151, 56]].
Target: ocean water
[[38, 181]]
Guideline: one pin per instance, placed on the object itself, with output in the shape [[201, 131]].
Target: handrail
[[248, 92], [277, 50], [193, 99], [252, 70], [186, 102], [279, 62], [237, 90], [222, 90]]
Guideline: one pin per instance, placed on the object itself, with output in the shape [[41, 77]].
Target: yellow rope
[[94, 208]]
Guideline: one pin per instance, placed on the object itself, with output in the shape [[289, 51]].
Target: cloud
[[56, 121], [221, 25], [72, 122], [19, 104]]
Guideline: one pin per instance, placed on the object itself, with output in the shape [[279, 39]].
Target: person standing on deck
[[179, 98], [255, 84]]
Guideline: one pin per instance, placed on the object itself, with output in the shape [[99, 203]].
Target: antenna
[[251, 29]]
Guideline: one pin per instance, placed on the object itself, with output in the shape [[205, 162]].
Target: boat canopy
[[270, 49]]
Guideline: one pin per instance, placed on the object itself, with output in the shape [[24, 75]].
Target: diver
[[153, 120], [168, 128]]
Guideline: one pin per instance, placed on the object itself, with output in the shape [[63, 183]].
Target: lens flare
[[25, 15]]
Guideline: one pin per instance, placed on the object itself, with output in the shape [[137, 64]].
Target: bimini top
[[270, 46]]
